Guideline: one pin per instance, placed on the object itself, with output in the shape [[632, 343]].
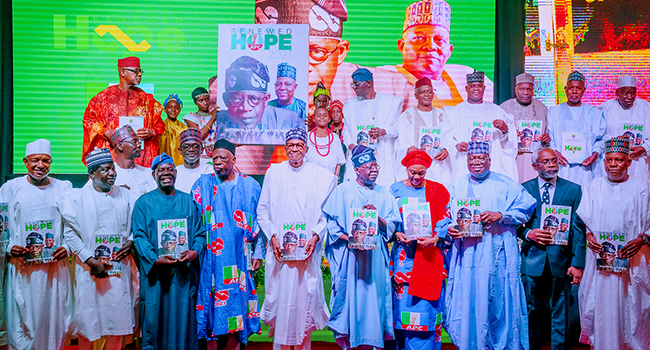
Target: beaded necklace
[[330, 139]]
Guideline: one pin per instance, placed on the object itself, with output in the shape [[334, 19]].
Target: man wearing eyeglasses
[[103, 113], [126, 146], [249, 119], [191, 149]]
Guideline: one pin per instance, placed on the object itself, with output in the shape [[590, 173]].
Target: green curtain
[[6, 92], [509, 47]]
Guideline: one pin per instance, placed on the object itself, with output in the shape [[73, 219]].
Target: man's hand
[[631, 248], [125, 186], [145, 134], [311, 246], [545, 139], [256, 264], [593, 243], [426, 242], [488, 217], [637, 152], [501, 125], [97, 269], [277, 250], [454, 232], [344, 237], [561, 159], [188, 256], [376, 132], [369, 206], [442, 155], [462, 147], [576, 273], [539, 236], [401, 236], [125, 250], [18, 251], [60, 253], [351, 147], [165, 261], [590, 160]]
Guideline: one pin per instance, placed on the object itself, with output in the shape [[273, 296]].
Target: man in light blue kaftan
[[227, 308], [168, 286], [485, 301], [361, 288], [577, 120]]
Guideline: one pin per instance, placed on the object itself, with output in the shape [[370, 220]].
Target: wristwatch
[[645, 238]]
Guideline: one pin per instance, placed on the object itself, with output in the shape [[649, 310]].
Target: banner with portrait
[[263, 81]]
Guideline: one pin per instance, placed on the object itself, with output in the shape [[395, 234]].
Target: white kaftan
[[325, 151], [615, 307], [102, 306], [639, 113], [504, 146], [294, 305], [382, 112], [185, 178], [409, 124], [139, 179], [39, 297]]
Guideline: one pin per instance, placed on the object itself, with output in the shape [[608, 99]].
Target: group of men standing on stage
[[199, 290]]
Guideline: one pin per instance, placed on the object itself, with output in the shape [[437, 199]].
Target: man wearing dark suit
[[549, 270]]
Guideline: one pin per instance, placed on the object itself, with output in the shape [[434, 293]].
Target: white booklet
[[430, 140], [416, 217], [574, 146], [557, 220], [41, 242], [467, 216], [105, 248], [363, 229], [608, 260], [529, 134], [172, 237], [293, 240]]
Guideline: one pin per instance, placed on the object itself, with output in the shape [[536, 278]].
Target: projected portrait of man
[[103, 255], [607, 254], [34, 243], [285, 87], [372, 229], [464, 219], [289, 243], [551, 224], [359, 230], [426, 143], [526, 138], [168, 241]]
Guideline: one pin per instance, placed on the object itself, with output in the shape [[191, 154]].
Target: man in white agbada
[[423, 127], [137, 178], [527, 110], [630, 116], [477, 120], [375, 114], [577, 132], [191, 149], [293, 192], [103, 304], [39, 297], [614, 308]]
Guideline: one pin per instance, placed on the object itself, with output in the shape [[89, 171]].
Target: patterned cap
[[639, 135], [99, 156], [321, 90], [290, 237], [199, 92], [161, 159], [524, 78], [49, 235], [431, 12], [628, 134], [116, 249], [537, 132], [551, 221], [426, 140], [124, 133], [325, 17], [175, 98], [296, 133], [463, 213], [478, 147], [477, 212], [476, 76], [168, 236], [102, 251], [359, 225], [337, 104], [565, 220], [303, 236], [413, 218], [34, 238], [575, 75], [527, 133], [362, 136], [617, 145], [608, 248], [426, 216], [247, 74], [182, 234], [372, 224], [191, 134], [478, 132], [362, 155], [287, 71], [362, 74]]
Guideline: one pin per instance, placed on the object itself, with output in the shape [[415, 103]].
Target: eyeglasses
[[481, 159], [548, 161], [295, 145], [320, 54], [135, 71], [370, 167], [238, 99], [356, 84], [133, 142], [193, 146]]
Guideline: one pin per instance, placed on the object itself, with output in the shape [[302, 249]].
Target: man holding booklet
[[289, 208], [485, 301], [551, 260]]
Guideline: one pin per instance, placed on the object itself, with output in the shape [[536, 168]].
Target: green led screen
[[65, 52]]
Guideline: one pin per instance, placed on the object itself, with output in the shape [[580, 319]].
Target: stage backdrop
[[65, 52], [601, 39]]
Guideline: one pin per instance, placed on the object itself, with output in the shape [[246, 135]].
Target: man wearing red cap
[[416, 122], [417, 266], [103, 113]]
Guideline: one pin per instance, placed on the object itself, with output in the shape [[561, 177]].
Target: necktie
[[546, 196]]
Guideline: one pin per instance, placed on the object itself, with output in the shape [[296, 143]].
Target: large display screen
[[65, 52], [601, 39]]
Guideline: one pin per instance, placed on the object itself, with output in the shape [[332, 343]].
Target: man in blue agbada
[[361, 288], [168, 286], [485, 302], [227, 309]]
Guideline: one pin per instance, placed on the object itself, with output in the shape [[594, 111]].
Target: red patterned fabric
[[103, 113]]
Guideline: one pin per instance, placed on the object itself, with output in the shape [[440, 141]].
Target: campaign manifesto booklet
[[557, 220], [172, 237], [363, 229], [467, 216]]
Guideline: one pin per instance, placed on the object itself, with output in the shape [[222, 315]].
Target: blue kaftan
[[485, 303], [227, 300], [361, 289]]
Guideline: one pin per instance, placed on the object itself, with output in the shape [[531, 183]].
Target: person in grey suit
[[550, 270]]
